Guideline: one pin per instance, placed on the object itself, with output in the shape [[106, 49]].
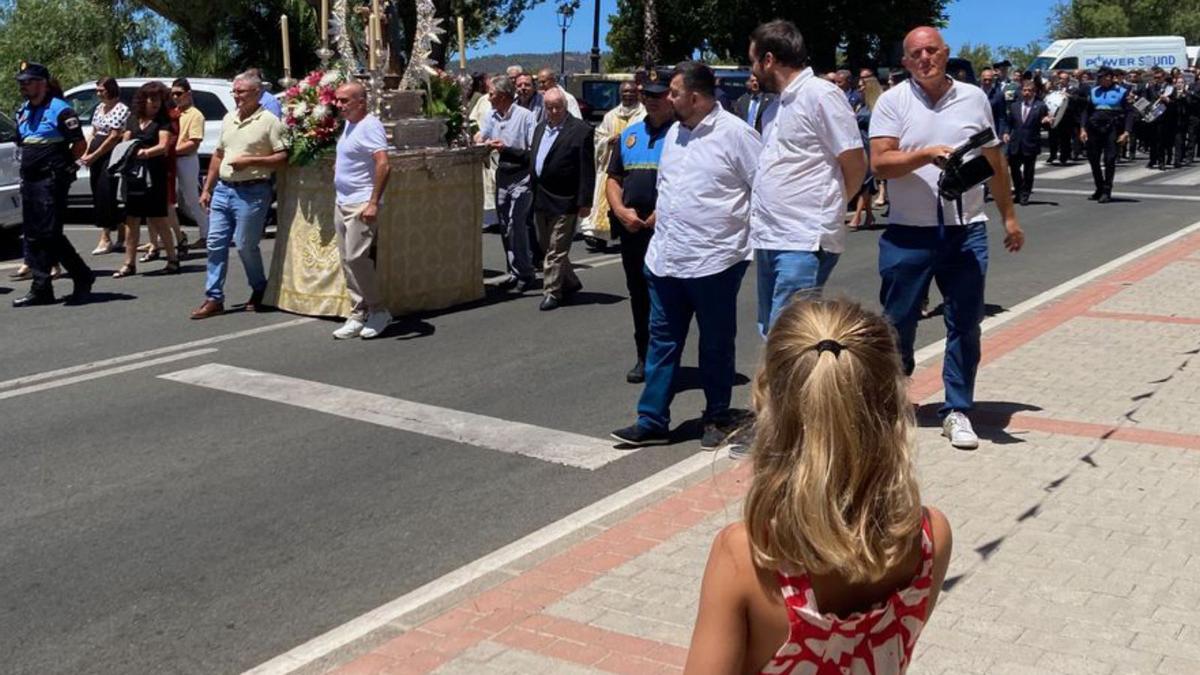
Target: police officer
[[51, 140], [632, 193], [1107, 120]]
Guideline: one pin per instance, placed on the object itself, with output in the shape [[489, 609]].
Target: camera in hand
[[958, 176]]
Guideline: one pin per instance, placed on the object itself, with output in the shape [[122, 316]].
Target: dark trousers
[[43, 208], [1061, 138], [514, 208], [1021, 168], [1103, 142], [633, 260], [673, 302], [1181, 143], [1160, 136], [957, 259]]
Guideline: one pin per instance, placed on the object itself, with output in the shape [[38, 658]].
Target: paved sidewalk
[[1076, 523]]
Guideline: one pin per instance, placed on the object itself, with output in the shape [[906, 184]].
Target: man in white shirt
[[914, 128], [360, 175], [547, 80], [812, 163], [697, 256]]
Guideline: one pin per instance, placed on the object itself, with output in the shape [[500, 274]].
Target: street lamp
[[566, 14], [595, 66]]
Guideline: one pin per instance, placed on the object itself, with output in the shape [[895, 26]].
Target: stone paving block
[[501, 660], [1171, 665], [1072, 664], [1168, 292]]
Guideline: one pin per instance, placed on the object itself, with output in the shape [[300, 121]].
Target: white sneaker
[[377, 322], [351, 329], [958, 429]]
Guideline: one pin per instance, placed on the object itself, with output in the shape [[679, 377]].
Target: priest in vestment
[[595, 228], [478, 113]]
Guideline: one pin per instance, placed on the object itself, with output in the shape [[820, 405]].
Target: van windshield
[[1041, 63]]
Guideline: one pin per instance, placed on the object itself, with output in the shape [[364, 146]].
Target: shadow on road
[[990, 418]]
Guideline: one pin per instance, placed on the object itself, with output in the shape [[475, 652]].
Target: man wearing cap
[[51, 140], [1107, 121]]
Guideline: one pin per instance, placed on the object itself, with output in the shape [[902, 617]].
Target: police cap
[[32, 71], [1002, 64], [655, 88], [1104, 70]]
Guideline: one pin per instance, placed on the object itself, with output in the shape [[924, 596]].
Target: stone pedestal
[[428, 251]]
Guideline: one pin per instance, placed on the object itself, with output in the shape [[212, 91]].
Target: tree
[[82, 40], [979, 55], [868, 31], [1121, 18], [1021, 57]]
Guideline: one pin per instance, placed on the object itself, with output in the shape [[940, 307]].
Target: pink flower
[[293, 92]]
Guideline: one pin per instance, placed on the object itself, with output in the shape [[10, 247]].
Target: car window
[[602, 95], [8, 129], [209, 105], [84, 102], [1069, 63]]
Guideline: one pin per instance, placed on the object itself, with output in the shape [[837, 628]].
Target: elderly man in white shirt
[[812, 163], [547, 80], [914, 128], [697, 256]]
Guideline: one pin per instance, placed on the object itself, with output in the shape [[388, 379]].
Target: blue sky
[[972, 21]]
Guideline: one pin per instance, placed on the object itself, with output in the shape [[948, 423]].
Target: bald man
[[547, 80], [914, 128]]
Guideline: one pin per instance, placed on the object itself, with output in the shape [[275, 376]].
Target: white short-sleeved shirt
[[705, 175], [354, 171], [799, 198], [904, 112]]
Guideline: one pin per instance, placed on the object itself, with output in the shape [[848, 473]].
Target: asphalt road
[[148, 525]]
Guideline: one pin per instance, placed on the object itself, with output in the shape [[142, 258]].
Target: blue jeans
[[237, 214], [909, 258], [782, 274], [673, 302]]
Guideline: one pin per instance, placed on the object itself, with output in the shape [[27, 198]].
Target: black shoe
[[1096, 195], [80, 295], [639, 436], [1024, 200], [1105, 198], [549, 303], [715, 436], [637, 374], [32, 299], [525, 285]]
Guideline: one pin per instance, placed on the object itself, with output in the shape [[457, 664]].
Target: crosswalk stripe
[[550, 445], [1125, 174], [1064, 172], [1180, 177]]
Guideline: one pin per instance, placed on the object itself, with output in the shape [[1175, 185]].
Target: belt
[[243, 183]]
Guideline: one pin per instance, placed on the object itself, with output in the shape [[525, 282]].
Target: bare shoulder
[[940, 527], [732, 544]]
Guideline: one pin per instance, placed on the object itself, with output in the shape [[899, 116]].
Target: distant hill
[[577, 62]]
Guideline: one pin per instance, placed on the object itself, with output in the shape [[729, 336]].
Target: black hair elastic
[[830, 346]]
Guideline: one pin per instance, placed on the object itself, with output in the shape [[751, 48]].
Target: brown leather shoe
[[209, 308], [255, 303]]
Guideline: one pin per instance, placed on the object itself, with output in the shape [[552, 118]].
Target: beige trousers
[[354, 237], [555, 233]]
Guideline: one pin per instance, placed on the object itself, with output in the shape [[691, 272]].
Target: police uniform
[[46, 134], [635, 165], [1107, 115]]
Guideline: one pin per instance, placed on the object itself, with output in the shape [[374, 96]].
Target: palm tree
[[650, 53]]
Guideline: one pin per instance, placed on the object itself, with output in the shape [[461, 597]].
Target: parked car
[[212, 97], [10, 176], [597, 93]]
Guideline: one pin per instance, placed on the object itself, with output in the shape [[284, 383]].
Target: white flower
[[305, 86], [321, 111], [301, 109], [330, 78]]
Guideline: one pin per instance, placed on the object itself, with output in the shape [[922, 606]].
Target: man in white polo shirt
[[812, 163], [914, 127], [360, 175], [697, 256]]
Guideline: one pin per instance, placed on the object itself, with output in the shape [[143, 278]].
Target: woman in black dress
[[150, 125]]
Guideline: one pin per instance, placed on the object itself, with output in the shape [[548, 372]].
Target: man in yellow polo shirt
[[187, 161], [237, 193]]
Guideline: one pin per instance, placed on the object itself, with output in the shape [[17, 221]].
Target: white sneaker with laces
[[377, 322], [351, 329], [958, 429]]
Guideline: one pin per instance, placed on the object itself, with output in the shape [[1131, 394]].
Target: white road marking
[[931, 351], [137, 356], [352, 630], [550, 445], [97, 374], [1064, 172], [1180, 177], [11, 266], [1125, 174], [1130, 195]]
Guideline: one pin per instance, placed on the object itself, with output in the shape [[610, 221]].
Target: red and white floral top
[[877, 641]]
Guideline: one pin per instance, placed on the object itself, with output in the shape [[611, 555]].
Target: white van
[[10, 175], [1127, 53], [1192, 52]]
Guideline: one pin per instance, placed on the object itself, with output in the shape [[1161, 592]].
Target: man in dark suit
[[564, 173], [1023, 134], [750, 105], [994, 89]]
